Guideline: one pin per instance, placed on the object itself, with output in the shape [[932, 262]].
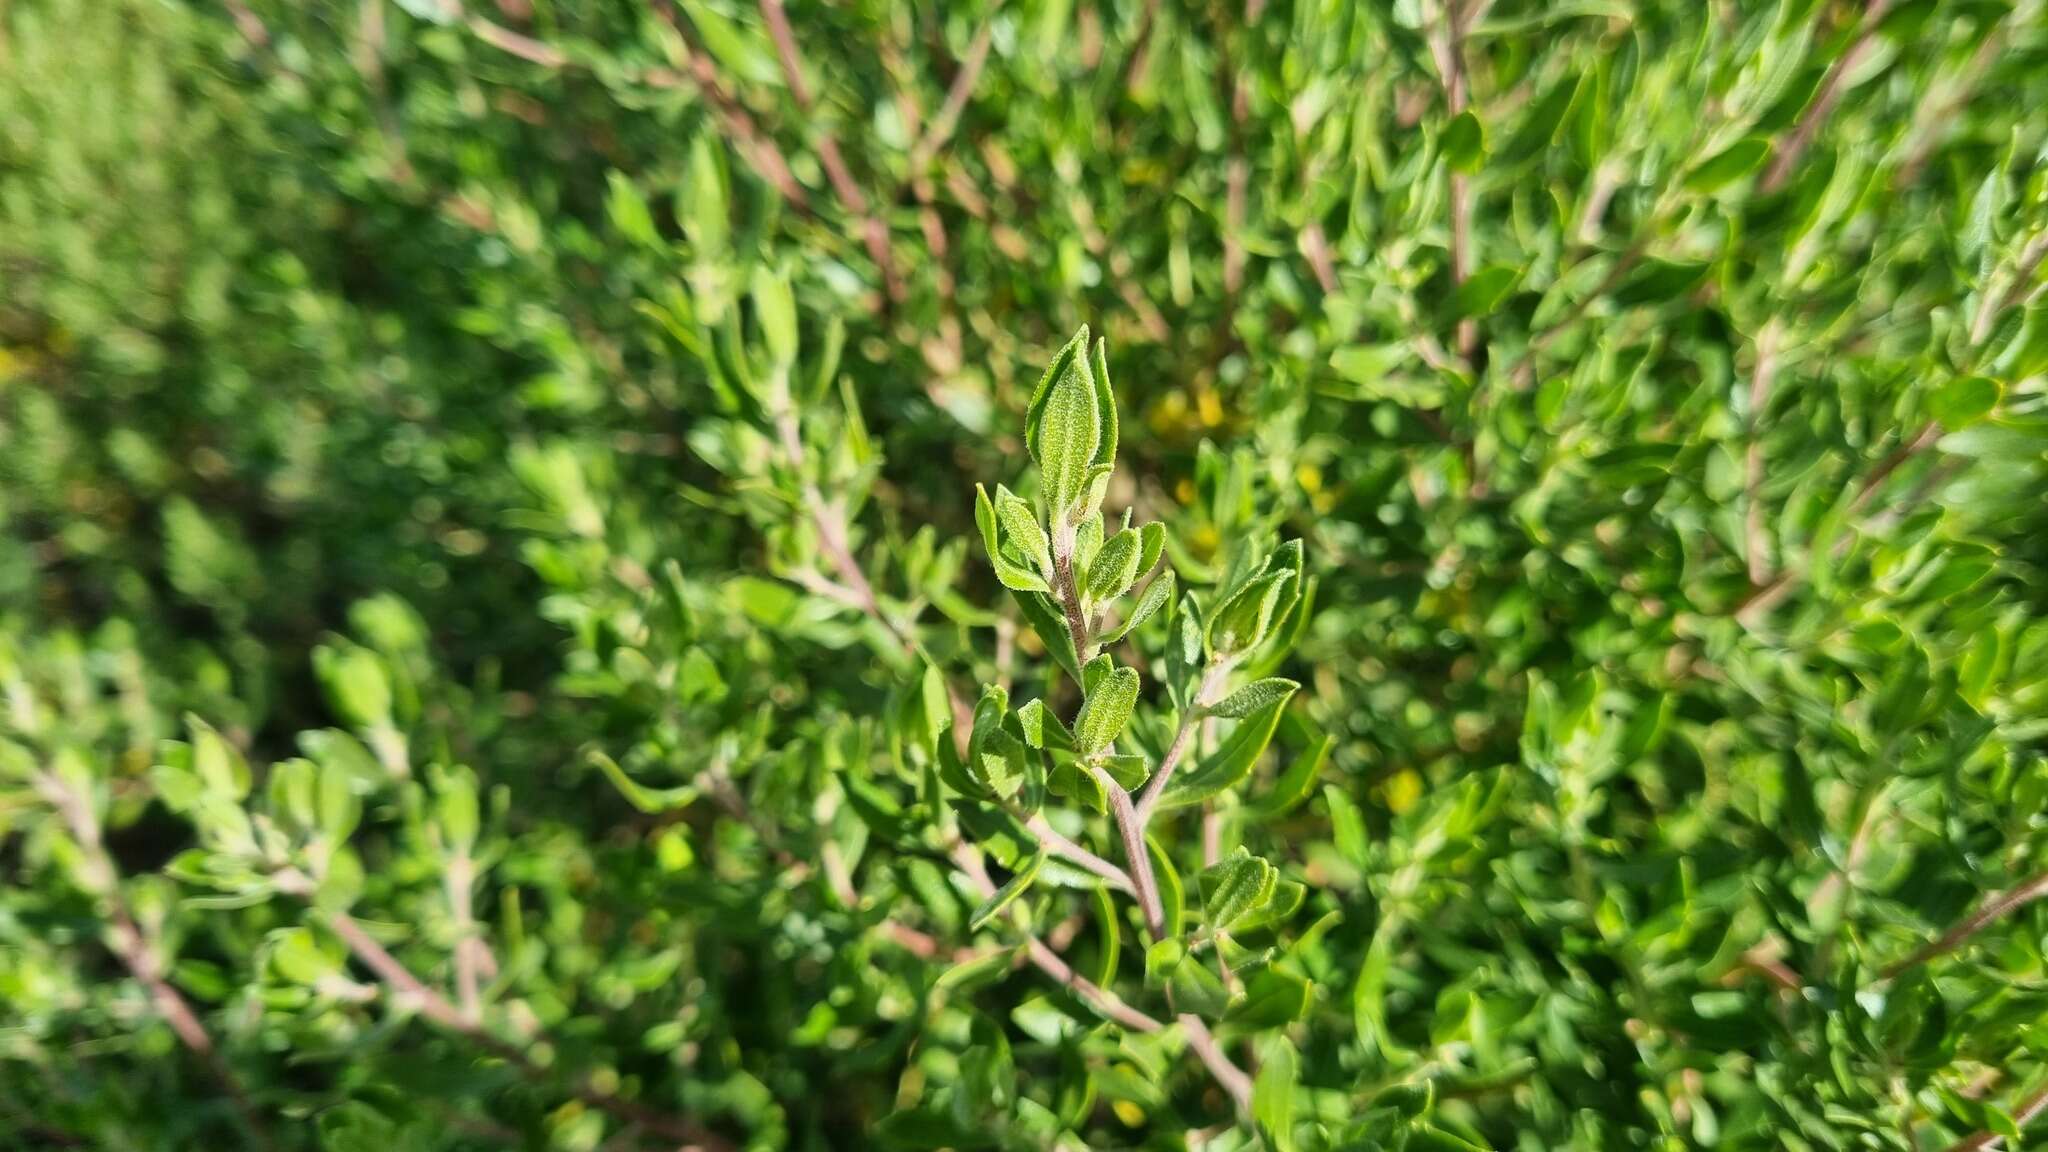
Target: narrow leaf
[[1007, 894], [1254, 696]]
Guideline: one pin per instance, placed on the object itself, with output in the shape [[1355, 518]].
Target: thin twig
[[439, 1010], [1131, 827], [1183, 736], [141, 952], [874, 232], [766, 157], [1756, 537], [1794, 148], [1044, 958], [1993, 304], [2029, 1109], [1996, 907], [1936, 114], [940, 130], [1448, 47], [1140, 58], [1761, 600]]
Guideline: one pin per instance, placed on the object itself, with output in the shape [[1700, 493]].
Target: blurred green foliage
[[494, 621]]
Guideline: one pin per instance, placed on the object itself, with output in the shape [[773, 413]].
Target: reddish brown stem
[[874, 232], [439, 1010], [1817, 112], [1998, 906], [2028, 1110], [1756, 537], [140, 952]]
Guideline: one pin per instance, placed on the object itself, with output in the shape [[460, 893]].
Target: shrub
[[575, 575]]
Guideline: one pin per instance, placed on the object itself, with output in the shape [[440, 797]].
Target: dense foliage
[[566, 580]]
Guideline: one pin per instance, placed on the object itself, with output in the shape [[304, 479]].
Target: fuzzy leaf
[[1252, 697], [1064, 428], [1106, 711], [1008, 893], [1114, 567], [1236, 888]]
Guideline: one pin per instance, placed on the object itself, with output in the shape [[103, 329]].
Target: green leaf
[[1157, 595], [1229, 764], [1105, 712], [1272, 999], [1105, 409], [649, 800], [1008, 893], [1252, 697], [775, 312], [1964, 400], [1162, 957], [1728, 165], [1657, 281], [1013, 576], [1129, 771], [1484, 290], [1110, 925], [1464, 143], [1172, 894], [1151, 544], [998, 762], [1288, 897], [1064, 429], [455, 804], [1297, 782], [1236, 888], [1114, 567], [1020, 523], [1046, 619], [1539, 126], [1374, 369], [628, 211], [1273, 1093], [297, 956], [1243, 621], [357, 688]]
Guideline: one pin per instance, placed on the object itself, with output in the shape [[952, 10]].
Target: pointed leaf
[[1007, 894], [1254, 696], [1114, 567], [1106, 711], [1229, 764], [1157, 595], [1236, 888], [1021, 525]]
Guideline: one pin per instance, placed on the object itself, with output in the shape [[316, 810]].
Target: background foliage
[[490, 567]]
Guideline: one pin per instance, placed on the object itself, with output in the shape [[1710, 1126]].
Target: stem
[[1996, 907], [1756, 537], [1448, 46], [2023, 271], [1131, 820], [1048, 961], [1069, 594], [1155, 788], [873, 231], [1761, 600], [1824, 101], [139, 951], [829, 521], [439, 1010], [1132, 829], [1060, 845], [767, 158], [2022, 1116]]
